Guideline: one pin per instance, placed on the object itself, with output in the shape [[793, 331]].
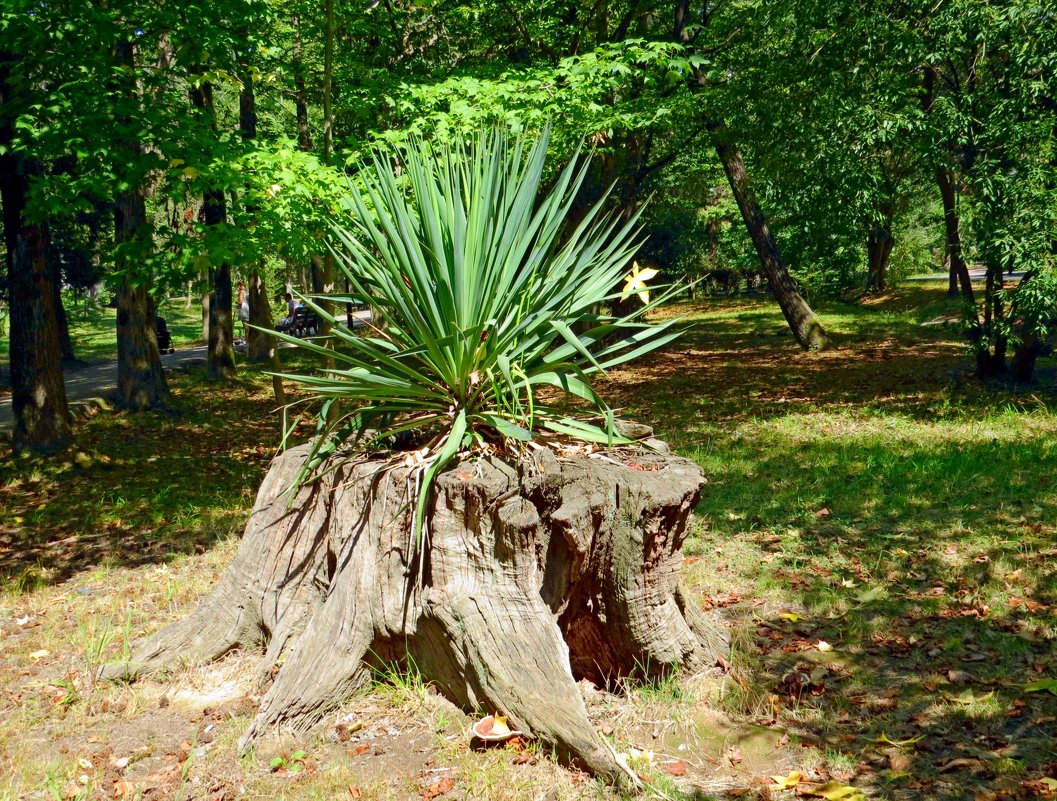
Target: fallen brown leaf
[[438, 788], [734, 755]]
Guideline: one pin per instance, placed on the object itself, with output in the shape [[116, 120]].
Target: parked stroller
[[164, 336]]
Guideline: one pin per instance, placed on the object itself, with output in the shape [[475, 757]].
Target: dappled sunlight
[[139, 488], [877, 499]]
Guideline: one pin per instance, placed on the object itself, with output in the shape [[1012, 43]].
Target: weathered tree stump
[[536, 573]]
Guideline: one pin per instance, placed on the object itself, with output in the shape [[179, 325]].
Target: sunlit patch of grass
[[93, 328]]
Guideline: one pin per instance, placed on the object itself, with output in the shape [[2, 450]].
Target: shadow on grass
[[746, 366], [924, 554], [137, 488], [877, 498]]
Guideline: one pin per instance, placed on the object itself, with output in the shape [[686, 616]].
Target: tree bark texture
[[304, 133], [38, 392], [535, 573], [992, 344], [260, 345], [958, 271], [62, 323], [879, 245], [1027, 352], [802, 320], [140, 378], [220, 360]]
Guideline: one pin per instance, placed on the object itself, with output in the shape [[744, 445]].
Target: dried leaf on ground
[[835, 791], [788, 781], [438, 788], [734, 755]]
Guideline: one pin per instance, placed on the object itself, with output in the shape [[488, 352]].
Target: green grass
[[874, 497], [93, 328]]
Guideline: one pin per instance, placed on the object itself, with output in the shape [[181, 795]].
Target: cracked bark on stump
[[537, 573]]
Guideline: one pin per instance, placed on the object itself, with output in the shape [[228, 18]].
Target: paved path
[[975, 274], [99, 380]]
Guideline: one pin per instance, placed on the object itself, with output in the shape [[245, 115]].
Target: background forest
[[154, 148]]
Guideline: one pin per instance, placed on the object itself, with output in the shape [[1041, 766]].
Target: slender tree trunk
[[1031, 345], [809, 333], [38, 391], [140, 379], [802, 320], [204, 303], [993, 343], [328, 264], [62, 323], [260, 345], [958, 271], [221, 341], [1027, 352], [879, 245], [304, 133]]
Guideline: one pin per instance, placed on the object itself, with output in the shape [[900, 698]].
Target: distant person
[[291, 311], [243, 307]]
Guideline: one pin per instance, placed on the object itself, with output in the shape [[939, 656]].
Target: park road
[[100, 380]]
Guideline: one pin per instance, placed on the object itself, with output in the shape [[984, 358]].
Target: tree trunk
[[535, 574], [62, 323], [38, 392], [221, 338], [879, 245], [204, 303], [992, 346], [1027, 352], [959, 280], [798, 314], [802, 320], [328, 263], [304, 133], [140, 379], [260, 344]]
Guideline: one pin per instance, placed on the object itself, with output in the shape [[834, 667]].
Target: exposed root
[[536, 573]]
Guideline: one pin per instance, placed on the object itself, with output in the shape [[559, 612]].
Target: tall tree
[[260, 344], [803, 322], [38, 391], [140, 379], [221, 343]]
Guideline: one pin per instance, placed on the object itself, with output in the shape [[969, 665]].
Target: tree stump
[[536, 573]]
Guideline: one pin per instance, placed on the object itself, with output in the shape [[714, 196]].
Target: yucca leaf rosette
[[484, 291]]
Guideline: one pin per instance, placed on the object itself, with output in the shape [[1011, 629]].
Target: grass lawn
[[879, 529], [93, 328]]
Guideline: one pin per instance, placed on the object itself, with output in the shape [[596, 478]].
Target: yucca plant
[[487, 296]]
